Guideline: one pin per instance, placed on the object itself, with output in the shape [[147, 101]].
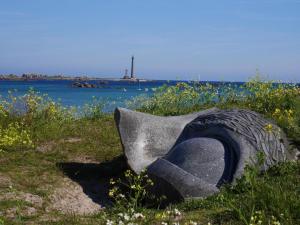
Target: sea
[[113, 93]]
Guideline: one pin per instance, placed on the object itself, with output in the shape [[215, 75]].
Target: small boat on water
[[139, 89], [124, 89]]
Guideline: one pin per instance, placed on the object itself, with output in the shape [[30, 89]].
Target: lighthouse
[[132, 68]]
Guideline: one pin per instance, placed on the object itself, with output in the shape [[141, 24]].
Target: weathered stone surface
[[146, 137], [191, 156]]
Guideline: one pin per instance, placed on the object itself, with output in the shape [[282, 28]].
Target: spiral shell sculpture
[[191, 156]]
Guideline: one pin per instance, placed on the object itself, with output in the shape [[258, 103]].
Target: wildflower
[[139, 216], [109, 222], [177, 212], [112, 192], [150, 182], [160, 215], [112, 181], [269, 127], [121, 196], [126, 217], [164, 223], [128, 173]]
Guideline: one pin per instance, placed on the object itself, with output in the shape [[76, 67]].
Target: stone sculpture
[[191, 156]]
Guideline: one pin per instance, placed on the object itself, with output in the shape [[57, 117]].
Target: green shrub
[[169, 100]]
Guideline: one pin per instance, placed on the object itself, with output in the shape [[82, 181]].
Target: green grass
[[63, 137]]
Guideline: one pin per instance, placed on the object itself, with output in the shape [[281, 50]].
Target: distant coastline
[[32, 77]]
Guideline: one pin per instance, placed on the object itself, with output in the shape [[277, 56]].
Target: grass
[[59, 136]]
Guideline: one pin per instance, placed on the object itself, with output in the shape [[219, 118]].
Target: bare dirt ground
[[82, 190]]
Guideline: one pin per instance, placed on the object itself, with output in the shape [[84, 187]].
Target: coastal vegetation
[[43, 142]]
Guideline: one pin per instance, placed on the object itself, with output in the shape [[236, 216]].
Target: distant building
[[126, 75]]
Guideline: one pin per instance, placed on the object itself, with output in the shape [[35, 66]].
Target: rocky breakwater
[[83, 85]]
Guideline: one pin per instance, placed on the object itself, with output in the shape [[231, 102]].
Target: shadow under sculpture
[[191, 156]]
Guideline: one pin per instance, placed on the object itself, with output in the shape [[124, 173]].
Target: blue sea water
[[114, 93]]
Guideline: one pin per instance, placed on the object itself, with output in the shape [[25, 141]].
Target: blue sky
[[216, 40]]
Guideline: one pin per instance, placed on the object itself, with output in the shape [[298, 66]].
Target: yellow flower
[[269, 127], [111, 193]]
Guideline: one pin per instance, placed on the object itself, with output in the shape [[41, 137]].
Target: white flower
[[109, 222], [177, 212], [121, 222], [121, 196], [120, 214], [138, 216], [164, 223], [126, 217]]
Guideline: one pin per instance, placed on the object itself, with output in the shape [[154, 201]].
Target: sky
[[171, 39]]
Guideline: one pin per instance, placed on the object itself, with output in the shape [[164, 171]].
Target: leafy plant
[[132, 191]]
